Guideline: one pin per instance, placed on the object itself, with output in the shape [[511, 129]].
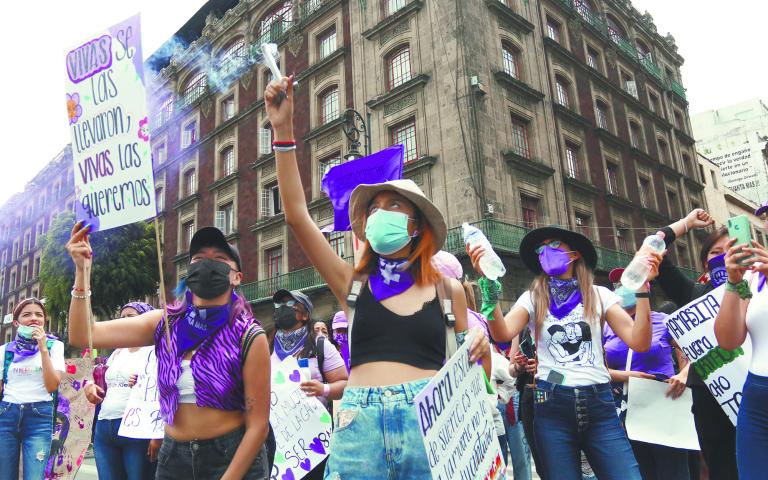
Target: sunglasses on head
[[553, 244]]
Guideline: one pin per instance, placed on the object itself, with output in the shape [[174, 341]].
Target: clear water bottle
[[490, 263], [636, 273]]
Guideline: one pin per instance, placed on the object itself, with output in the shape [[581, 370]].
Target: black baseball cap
[[296, 295], [213, 237]]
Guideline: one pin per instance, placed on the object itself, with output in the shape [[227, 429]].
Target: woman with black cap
[[574, 407], [213, 362]]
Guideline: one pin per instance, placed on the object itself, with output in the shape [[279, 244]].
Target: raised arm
[[334, 270], [125, 332]]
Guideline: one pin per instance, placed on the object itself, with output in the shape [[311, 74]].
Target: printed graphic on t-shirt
[[24, 371], [570, 343]]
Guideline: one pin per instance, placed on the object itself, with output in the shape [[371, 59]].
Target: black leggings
[[717, 435]]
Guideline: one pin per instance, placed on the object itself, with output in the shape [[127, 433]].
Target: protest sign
[[142, 412], [342, 179], [653, 417], [107, 109], [301, 424], [723, 371], [456, 423], [74, 421]]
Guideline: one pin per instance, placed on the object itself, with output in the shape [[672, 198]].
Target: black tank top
[[379, 335]]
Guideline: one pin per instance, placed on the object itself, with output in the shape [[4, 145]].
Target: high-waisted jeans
[[752, 429]]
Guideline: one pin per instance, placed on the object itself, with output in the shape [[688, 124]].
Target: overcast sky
[[722, 45]]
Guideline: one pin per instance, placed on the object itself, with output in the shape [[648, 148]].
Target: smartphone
[[740, 229], [555, 377]]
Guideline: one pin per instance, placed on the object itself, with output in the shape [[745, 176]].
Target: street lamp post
[[354, 126]]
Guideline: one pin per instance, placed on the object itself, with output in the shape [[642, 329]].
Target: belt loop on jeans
[[409, 393], [364, 393]]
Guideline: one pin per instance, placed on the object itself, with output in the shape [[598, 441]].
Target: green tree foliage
[[124, 267]]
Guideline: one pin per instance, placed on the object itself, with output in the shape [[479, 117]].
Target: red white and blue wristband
[[284, 147]]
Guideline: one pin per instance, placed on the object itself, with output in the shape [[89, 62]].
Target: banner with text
[[107, 109], [142, 412], [723, 371], [456, 423], [301, 424]]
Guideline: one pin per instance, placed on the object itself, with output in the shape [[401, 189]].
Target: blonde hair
[[540, 294], [469, 292]]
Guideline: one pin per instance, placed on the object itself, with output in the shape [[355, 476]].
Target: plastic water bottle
[[490, 263], [306, 374], [636, 273]]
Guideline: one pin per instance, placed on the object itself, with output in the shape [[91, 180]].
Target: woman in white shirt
[[117, 457], [744, 311], [32, 368]]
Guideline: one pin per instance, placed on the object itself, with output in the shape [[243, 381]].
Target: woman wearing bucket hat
[[397, 325], [213, 374], [574, 407]]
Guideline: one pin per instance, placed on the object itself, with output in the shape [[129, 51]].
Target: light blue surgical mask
[[387, 232], [25, 331], [628, 299]]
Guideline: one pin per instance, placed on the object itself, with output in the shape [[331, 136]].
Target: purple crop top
[[216, 368]]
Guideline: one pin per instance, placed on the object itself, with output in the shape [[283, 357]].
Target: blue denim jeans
[[25, 428], [120, 458], [514, 442], [752, 429], [377, 435], [570, 419]]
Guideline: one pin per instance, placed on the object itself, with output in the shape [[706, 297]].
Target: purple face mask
[[717, 273], [554, 261]]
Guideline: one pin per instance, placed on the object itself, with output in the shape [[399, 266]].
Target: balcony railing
[[274, 33], [302, 279], [192, 95], [677, 89], [652, 68]]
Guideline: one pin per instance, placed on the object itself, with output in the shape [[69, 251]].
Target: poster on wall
[[109, 126]]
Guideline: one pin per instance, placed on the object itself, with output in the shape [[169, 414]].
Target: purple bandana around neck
[[289, 343], [24, 348], [197, 324], [392, 278], [564, 296], [343, 343]]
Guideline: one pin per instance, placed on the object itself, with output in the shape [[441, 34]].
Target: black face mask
[[285, 317], [208, 278]]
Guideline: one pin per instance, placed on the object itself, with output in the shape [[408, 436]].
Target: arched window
[[615, 30], [399, 67], [194, 89], [233, 57], [563, 91], [509, 57], [586, 10], [190, 182], [227, 161], [643, 52], [329, 105], [601, 114], [276, 22]]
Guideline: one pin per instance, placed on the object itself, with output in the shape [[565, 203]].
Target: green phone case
[[740, 229]]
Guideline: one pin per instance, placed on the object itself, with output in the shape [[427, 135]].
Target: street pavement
[[87, 470]]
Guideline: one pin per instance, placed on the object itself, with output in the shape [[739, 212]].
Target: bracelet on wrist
[[741, 288], [82, 295], [326, 390], [642, 294], [284, 149]]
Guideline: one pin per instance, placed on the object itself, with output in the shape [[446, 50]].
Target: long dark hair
[[711, 239]]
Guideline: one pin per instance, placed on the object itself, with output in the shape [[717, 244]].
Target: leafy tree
[[124, 267]]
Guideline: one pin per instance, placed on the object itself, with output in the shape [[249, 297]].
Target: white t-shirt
[[757, 315], [332, 361], [25, 377], [572, 346], [122, 364]]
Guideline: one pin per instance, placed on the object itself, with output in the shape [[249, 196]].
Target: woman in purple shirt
[[656, 461], [213, 368]]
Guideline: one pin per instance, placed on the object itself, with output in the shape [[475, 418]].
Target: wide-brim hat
[[364, 193], [533, 239], [213, 237]]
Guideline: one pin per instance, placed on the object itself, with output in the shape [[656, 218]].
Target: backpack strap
[[247, 339], [320, 355], [7, 359], [359, 280], [446, 306]]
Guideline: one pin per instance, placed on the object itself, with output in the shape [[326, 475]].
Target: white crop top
[[186, 384], [757, 326]]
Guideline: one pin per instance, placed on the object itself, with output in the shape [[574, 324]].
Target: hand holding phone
[[739, 228]]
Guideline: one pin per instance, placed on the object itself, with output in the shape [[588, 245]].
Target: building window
[[329, 162], [228, 108], [663, 152], [228, 161], [653, 104], [274, 260], [622, 233], [159, 154], [270, 200], [234, 58], [326, 43], [553, 30], [399, 67], [635, 135], [593, 58], [678, 120], [628, 84], [393, 5], [275, 23], [612, 176], [225, 218], [160, 200], [643, 52], [194, 89], [265, 140], [682, 255], [165, 112], [337, 242], [329, 105], [190, 182], [616, 31], [572, 160], [582, 225], [187, 232], [674, 207], [405, 134], [562, 87], [645, 192], [13, 280], [530, 210], [601, 112], [37, 267], [687, 170], [189, 134], [714, 179], [509, 58], [520, 138], [585, 10]]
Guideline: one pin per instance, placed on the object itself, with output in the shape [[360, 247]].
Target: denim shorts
[[377, 435], [206, 459]]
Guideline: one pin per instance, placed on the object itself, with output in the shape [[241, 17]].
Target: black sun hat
[[533, 239]]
